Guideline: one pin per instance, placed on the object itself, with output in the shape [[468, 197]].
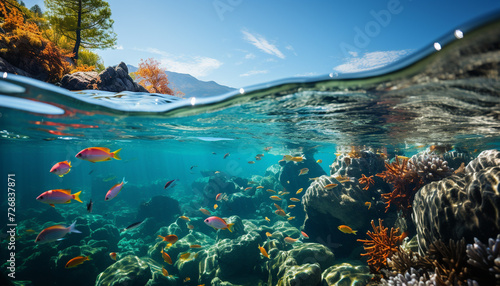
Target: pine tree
[[86, 22]]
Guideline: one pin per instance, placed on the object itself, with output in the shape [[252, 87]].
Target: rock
[[346, 274], [114, 79], [368, 164], [464, 205], [304, 275], [7, 67], [162, 209], [130, 271]]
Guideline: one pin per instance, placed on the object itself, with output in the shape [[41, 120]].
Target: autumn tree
[[86, 22], [153, 77]]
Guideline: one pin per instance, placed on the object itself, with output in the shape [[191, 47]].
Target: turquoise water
[[447, 98]]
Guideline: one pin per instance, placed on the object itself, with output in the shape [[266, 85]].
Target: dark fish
[[168, 183], [132, 226], [225, 156], [89, 206], [49, 139], [91, 171], [192, 167], [214, 153]]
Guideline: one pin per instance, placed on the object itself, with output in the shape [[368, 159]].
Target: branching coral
[[381, 246], [450, 262], [486, 258], [411, 278], [405, 181], [364, 180], [429, 166]]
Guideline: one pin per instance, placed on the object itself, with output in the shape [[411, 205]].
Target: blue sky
[[243, 42]]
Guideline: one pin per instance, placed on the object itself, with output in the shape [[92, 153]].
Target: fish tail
[[230, 226], [76, 196], [354, 232], [123, 181], [162, 237], [69, 163], [115, 154], [73, 229]]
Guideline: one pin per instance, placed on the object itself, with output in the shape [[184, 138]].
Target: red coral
[[366, 180], [405, 183], [381, 246]]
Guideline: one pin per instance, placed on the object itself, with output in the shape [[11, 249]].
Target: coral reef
[[356, 163], [346, 274], [131, 270], [486, 260], [410, 278], [305, 274], [381, 246], [429, 167], [460, 206], [449, 261]]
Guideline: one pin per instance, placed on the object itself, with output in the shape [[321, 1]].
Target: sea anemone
[[411, 278], [450, 262], [429, 166], [486, 257]]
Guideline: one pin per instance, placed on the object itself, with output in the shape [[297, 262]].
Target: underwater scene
[[384, 177]]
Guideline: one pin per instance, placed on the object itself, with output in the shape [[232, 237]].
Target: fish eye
[[41, 197]]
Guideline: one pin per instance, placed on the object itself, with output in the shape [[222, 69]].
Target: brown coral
[[383, 244], [405, 183], [368, 181]]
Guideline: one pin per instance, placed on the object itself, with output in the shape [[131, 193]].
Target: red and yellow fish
[[58, 196], [303, 171], [61, 168], [98, 154], [218, 223], [113, 255], [166, 257], [115, 190], [347, 229], [74, 262], [55, 233], [263, 251]]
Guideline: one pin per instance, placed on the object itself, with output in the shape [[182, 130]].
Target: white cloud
[[262, 44], [120, 47], [196, 66], [249, 56], [371, 61], [254, 72]]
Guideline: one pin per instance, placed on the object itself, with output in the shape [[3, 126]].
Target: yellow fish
[[330, 186], [275, 198], [263, 251], [294, 200], [300, 191], [297, 159], [346, 229], [184, 218], [287, 158], [319, 161], [268, 220], [185, 256], [268, 234], [290, 218], [303, 171], [271, 191], [164, 271], [215, 206], [260, 187], [291, 206]]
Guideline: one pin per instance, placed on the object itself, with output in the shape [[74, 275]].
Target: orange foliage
[[83, 68], [405, 183], [381, 246], [153, 77], [23, 46]]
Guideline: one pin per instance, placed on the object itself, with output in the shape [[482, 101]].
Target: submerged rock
[[130, 271], [305, 274], [346, 274], [368, 164]]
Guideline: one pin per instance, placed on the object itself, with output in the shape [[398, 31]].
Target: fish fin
[[61, 176], [76, 196], [73, 229], [64, 191], [229, 226], [102, 149], [115, 154], [60, 239], [69, 163], [52, 205], [68, 201], [123, 181], [162, 237], [354, 232], [107, 159]]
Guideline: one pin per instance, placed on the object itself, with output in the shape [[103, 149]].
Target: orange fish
[[330, 186], [260, 187], [166, 257], [280, 213], [300, 191], [184, 218], [61, 168], [205, 211], [98, 154], [297, 159], [263, 251], [248, 188], [225, 156], [266, 218], [115, 190], [187, 279], [74, 262], [290, 240], [291, 206], [346, 229], [113, 255], [303, 171], [268, 234], [216, 206], [290, 218], [304, 235], [190, 226], [164, 271], [185, 256], [172, 238], [275, 198], [319, 161], [278, 207], [195, 246], [271, 191], [294, 200], [368, 204]]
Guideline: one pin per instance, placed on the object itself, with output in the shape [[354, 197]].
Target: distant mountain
[[190, 85]]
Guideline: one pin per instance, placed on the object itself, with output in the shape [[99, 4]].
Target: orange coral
[[405, 183], [366, 180], [381, 246]]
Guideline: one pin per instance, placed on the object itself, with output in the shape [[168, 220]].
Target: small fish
[[90, 205], [258, 158], [195, 246], [216, 206], [299, 191], [205, 211], [168, 184], [58, 196], [278, 207], [297, 159], [259, 155], [55, 233], [275, 198], [294, 200], [221, 196], [330, 186], [30, 231], [287, 158], [132, 226], [217, 172], [218, 223], [109, 178], [248, 188], [113, 255], [74, 262], [368, 204], [271, 191], [280, 213], [290, 218], [290, 240], [115, 190], [191, 168], [313, 179], [172, 238], [291, 206], [190, 226], [263, 251], [338, 154], [319, 161], [184, 218], [284, 193], [187, 279], [251, 162], [61, 168], [267, 219], [346, 229], [166, 257], [164, 272], [213, 153], [268, 148], [268, 234], [304, 235], [91, 171], [259, 187], [98, 154], [303, 171], [225, 156], [185, 256]]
